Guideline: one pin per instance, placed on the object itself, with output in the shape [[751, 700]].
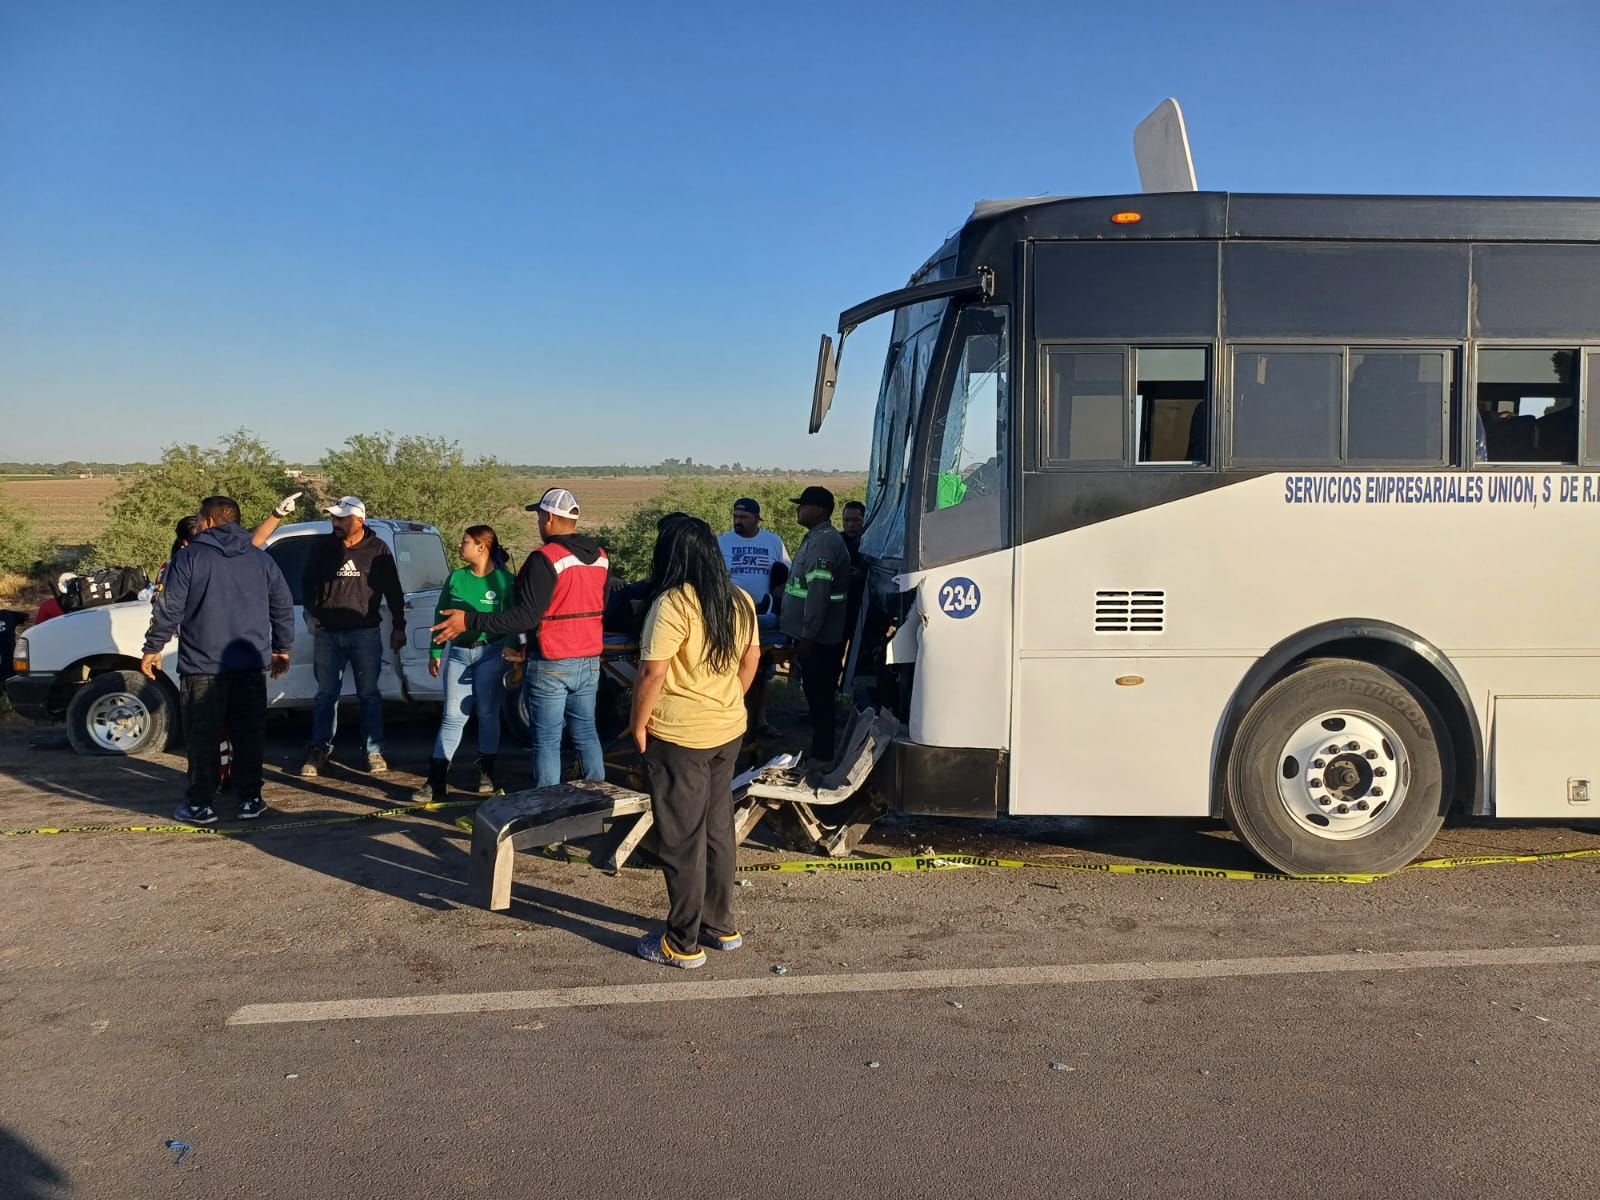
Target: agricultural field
[[602, 500], [70, 512]]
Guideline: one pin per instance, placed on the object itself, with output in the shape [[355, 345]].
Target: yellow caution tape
[[853, 866], [954, 862], [959, 862]]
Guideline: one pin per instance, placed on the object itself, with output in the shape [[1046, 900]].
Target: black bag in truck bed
[[112, 585]]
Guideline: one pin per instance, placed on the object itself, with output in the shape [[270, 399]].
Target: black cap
[[820, 496], [746, 504]]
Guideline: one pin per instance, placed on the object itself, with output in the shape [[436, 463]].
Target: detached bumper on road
[[30, 694]]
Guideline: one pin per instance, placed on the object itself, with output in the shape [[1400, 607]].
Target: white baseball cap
[[558, 502], [347, 506]]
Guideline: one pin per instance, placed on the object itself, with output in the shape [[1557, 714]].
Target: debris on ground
[[182, 1148], [779, 969]]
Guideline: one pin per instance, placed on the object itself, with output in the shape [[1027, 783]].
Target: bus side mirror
[[827, 376]]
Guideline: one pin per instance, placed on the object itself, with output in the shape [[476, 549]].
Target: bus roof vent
[[1131, 611]]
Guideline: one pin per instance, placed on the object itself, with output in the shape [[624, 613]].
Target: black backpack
[[10, 621], [111, 585]]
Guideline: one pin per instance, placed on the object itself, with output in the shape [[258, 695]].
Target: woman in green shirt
[[471, 665]]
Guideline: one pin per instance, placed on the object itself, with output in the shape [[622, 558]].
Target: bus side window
[[1528, 402], [1591, 405], [1286, 405], [1084, 406], [1171, 406], [1396, 405]]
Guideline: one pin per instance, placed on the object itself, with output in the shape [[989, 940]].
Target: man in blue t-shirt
[[750, 551]]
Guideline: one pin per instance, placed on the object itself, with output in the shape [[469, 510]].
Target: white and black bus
[[1284, 509]]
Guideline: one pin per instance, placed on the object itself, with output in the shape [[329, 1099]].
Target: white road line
[[896, 981]]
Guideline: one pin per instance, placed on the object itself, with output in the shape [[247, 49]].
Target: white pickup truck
[[83, 667]]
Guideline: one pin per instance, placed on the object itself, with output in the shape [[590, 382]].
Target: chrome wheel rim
[[118, 722], [1343, 775]]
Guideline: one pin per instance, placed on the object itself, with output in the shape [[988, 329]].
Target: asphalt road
[[976, 1033]]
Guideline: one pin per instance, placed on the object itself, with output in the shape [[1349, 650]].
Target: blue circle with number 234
[[959, 597]]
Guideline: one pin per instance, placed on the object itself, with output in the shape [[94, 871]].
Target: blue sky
[[613, 232]]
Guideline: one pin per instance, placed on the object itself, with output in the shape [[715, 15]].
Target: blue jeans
[[471, 677], [362, 649], [563, 690]]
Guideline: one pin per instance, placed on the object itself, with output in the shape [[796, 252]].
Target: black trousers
[[691, 795], [819, 678], [217, 706]]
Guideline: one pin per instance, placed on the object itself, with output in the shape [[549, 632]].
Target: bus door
[[961, 696]]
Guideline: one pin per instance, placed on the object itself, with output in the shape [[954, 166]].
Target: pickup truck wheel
[[514, 722], [613, 705], [611, 712], [120, 712]]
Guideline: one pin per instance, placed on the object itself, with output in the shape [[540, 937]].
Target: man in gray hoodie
[[233, 609]]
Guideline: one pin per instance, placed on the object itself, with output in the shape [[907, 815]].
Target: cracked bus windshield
[[916, 330]]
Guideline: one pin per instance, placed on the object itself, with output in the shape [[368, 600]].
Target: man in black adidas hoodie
[[559, 602], [346, 576], [237, 621]]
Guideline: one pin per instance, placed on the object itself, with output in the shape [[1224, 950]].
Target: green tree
[[631, 541], [153, 498], [420, 479], [22, 550]]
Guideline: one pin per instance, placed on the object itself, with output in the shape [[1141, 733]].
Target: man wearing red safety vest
[[559, 598]]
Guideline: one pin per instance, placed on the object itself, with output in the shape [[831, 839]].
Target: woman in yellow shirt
[[697, 655]]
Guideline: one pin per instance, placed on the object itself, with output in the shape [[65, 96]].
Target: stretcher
[[832, 810]]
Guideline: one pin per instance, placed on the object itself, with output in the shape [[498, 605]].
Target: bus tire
[[121, 712], [1339, 768]]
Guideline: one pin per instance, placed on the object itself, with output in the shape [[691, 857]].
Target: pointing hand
[[452, 627]]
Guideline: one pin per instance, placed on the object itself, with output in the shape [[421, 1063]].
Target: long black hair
[[184, 532], [693, 559], [485, 536]]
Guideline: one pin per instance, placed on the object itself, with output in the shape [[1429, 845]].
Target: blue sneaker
[[719, 941], [249, 810], [196, 814], [652, 947]]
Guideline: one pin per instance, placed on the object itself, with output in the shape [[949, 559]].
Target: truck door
[[299, 687], [423, 571]]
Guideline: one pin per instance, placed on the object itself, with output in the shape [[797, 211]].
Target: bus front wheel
[[1339, 768]]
